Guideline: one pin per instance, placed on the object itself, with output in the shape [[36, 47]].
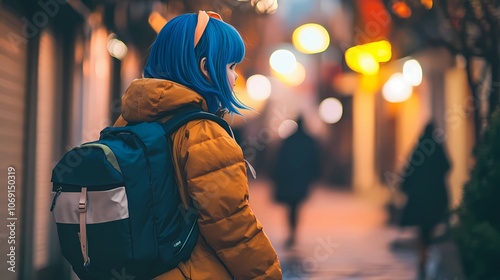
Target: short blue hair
[[173, 57]]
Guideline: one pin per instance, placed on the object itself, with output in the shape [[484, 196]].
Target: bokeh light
[[361, 62], [381, 50], [117, 48], [287, 128], [368, 64], [396, 89], [283, 61], [330, 110], [401, 9], [427, 4], [365, 58], [258, 87], [295, 78], [156, 21], [265, 6], [311, 38], [412, 72]]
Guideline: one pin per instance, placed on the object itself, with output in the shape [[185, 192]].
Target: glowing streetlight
[[361, 62], [396, 89], [368, 64], [365, 58], [311, 38], [258, 87], [412, 72], [331, 110], [381, 50], [283, 61]]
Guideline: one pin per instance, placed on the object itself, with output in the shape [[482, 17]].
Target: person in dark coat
[[296, 167], [424, 183]]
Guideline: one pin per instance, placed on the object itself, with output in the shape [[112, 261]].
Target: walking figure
[[425, 187], [296, 167]]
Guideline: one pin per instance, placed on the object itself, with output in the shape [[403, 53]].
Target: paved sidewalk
[[340, 237]]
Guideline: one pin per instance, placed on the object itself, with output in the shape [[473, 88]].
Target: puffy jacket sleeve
[[215, 173]]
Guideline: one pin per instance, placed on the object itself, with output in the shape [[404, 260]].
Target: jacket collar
[[149, 99]]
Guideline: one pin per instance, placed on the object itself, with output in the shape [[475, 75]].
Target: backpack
[[117, 205]]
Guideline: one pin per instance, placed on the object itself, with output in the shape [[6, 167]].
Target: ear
[[203, 68]]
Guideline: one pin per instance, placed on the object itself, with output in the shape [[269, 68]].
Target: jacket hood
[[148, 99]]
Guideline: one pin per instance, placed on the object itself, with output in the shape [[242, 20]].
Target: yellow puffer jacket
[[211, 173]]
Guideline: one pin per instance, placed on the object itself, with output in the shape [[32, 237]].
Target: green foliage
[[478, 232]]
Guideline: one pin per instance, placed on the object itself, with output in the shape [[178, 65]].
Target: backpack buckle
[[82, 206], [86, 263], [82, 203]]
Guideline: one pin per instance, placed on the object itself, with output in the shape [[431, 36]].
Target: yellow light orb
[[361, 61], [311, 38], [381, 50], [351, 58], [396, 89], [295, 78], [412, 72], [365, 58], [283, 61], [330, 110], [368, 64]]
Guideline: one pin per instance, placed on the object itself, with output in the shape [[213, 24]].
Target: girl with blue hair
[[192, 64], [203, 67]]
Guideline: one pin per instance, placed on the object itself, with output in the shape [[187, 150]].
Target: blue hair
[[173, 57]]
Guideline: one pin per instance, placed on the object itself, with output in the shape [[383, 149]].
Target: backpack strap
[[182, 118], [178, 120]]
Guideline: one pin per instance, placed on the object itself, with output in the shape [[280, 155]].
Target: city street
[[340, 237]]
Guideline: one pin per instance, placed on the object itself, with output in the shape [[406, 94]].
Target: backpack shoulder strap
[[182, 118], [178, 120]]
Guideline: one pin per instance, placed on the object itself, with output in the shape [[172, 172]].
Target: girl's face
[[231, 74]]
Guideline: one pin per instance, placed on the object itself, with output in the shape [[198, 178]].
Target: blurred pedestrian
[[296, 167], [424, 184]]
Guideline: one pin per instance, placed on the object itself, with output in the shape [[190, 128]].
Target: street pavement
[[340, 236]]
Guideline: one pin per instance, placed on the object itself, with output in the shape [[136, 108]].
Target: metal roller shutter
[[13, 78]]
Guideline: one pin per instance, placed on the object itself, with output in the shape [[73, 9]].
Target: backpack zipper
[[187, 237], [145, 151], [59, 190]]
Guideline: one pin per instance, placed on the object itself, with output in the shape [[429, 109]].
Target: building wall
[[13, 79], [54, 94], [459, 129]]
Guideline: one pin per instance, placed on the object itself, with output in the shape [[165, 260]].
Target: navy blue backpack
[[117, 206]]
